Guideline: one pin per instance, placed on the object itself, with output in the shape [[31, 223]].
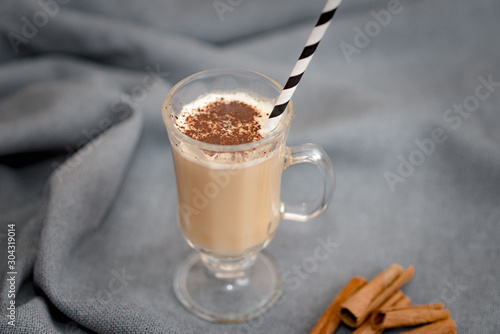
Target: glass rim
[[172, 129]]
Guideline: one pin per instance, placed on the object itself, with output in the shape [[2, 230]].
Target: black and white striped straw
[[305, 57]]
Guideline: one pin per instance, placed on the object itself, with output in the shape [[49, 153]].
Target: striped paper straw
[[305, 57]]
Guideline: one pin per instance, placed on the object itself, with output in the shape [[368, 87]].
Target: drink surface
[[232, 206], [231, 118]]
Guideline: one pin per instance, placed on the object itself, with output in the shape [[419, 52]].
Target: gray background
[[96, 236]]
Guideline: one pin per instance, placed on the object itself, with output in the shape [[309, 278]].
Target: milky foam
[[222, 160], [264, 107]]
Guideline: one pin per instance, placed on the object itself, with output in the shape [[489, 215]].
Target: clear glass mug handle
[[313, 154]]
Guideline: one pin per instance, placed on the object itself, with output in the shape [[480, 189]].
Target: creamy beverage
[[229, 201], [229, 155]]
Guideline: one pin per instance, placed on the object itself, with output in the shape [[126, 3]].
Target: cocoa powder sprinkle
[[223, 122]]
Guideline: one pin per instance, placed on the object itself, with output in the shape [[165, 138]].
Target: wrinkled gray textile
[[403, 96]]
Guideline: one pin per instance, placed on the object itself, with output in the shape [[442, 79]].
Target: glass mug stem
[[313, 154]]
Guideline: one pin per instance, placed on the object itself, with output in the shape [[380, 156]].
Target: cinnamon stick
[[409, 316], [397, 300], [432, 306], [330, 320], [356, 309], [366, 328], [447, 326], [402, 279]]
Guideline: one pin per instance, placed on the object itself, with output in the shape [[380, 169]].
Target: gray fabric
[[87, 178]]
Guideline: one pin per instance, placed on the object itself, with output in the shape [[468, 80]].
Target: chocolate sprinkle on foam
[[223, 122]]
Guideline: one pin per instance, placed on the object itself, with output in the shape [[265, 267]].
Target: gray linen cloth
[[403, 96]]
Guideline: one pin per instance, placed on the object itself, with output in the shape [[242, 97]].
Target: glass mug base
[[232, 299]]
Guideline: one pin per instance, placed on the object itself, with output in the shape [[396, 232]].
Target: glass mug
[[229, 201]]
